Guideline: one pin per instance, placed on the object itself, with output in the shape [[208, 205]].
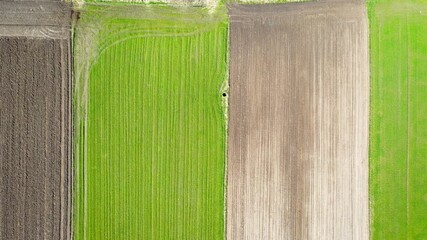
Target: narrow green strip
[[151, 123], [264, 1], [398, 142], [212, 5]]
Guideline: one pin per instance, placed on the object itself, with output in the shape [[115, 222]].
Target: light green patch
[[212, 5], [265, 1], [398, 134], [150, 142]]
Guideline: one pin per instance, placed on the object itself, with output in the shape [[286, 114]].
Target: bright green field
[[151, 123], [398, 150]]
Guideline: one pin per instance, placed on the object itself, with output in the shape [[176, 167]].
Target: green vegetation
[[398, 141], [150, 115]]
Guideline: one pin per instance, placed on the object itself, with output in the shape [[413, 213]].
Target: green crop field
[[150, 116], [398, 140]]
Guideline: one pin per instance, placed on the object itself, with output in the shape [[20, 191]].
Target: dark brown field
[[35, 130]]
